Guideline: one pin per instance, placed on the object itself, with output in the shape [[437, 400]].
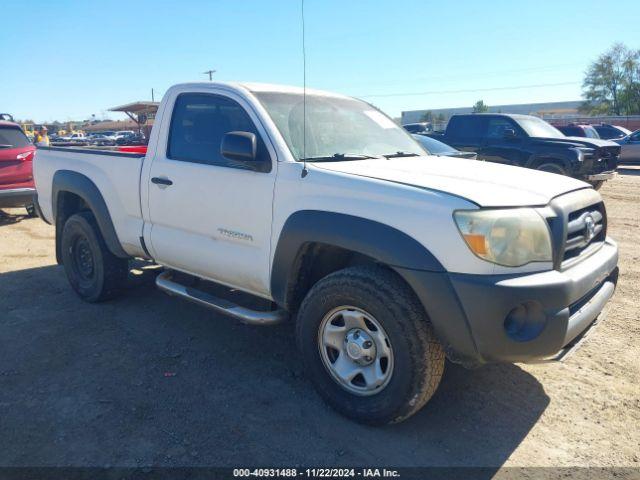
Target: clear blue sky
[[69, 59]]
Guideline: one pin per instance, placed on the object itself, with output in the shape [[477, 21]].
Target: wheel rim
[[82, 257], [355, 350]]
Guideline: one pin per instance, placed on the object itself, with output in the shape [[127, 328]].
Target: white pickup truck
[[325, 211]]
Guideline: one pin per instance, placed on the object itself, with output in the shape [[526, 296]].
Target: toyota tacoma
[[320, 209]]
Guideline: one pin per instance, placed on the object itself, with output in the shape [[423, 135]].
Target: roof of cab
[[4, 123], [261, 87]]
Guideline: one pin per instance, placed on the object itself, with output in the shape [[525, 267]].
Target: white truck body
[[226, 224]]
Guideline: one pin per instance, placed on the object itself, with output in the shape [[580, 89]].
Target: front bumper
[[16, 197], [469, 312], [601, 176]]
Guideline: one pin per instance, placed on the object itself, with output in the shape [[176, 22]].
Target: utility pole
[[152, 96], [210, 73]]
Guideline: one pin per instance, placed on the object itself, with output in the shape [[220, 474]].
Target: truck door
[[503, 141], [464, 132], [631, 149], [208, 215]]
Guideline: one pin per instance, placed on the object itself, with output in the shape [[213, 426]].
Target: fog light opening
[[525, 322]]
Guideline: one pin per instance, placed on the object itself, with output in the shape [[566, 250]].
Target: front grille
[[608, 158], [586, 228]]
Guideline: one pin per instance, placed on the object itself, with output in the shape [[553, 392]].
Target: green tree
[[612, 83], [480, 107], [427, 116]]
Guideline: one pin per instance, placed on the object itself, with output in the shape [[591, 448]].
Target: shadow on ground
[[10, 218], [150, 379]]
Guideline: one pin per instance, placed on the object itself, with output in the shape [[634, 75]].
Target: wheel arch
[[536, 160], [338, 240], [73, 192]]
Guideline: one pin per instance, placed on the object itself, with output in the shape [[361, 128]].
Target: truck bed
[[117, 176]]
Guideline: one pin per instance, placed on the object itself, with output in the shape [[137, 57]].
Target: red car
[[16, 172]]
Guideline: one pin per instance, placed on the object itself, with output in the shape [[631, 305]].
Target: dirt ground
[[151, 380]]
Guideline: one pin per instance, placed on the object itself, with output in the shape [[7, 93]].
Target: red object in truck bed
[[134, 149]]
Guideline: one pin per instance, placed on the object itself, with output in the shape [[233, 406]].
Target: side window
[[572, 131], [497, 127], [467, 129], [198, 124]]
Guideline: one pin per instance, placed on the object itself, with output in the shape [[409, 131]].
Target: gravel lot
[[147, 379]]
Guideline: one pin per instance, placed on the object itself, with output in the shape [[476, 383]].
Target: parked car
[[529, 141], [101, 139], [386, 261], [630, 148], [16, 174], [124, 134], [76, 137], [422, 127], [436, 147], [611, 132], [577, 130], [133, 139]]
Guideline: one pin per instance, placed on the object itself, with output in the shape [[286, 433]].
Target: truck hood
[[578, 142], [486, 184]]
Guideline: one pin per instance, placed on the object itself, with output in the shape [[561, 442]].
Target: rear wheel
[[93, 271], [31, 211], [552, 167], [368, 346]]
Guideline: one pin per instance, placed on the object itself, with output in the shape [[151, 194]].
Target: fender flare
[[82, 186], [381, 242]]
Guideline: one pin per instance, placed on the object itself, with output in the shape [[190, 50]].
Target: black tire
[[31, 211], [552, 167], [93, 271], [418, 357]]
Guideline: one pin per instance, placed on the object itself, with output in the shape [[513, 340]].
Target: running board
[[252, 317]]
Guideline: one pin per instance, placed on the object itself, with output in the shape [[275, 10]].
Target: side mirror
[[239, 146], [509, 133]]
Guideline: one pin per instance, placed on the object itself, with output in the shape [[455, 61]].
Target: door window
[[467, 129], [497, 127], [198, 124]]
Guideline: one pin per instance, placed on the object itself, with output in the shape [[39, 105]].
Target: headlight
[[509, 237]]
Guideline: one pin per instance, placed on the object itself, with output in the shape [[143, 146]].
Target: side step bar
[[252, 317]]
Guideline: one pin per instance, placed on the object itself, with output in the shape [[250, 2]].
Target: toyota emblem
[[590, 228]]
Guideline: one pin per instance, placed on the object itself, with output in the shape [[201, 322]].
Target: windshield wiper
[[338, 157], [401, 154]]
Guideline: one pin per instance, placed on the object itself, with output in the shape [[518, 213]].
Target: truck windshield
[[536, 127], [336, 127]]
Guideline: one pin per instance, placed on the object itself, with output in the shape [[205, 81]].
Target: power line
[[473, 90]]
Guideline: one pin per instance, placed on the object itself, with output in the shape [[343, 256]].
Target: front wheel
[[368, 346], [552, 167]]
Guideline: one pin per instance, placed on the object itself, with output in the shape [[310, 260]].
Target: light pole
[[210, 73]]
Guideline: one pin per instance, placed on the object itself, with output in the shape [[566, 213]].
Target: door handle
[[161, 181]]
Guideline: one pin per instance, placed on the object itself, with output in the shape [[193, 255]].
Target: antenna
[[304, 99]]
